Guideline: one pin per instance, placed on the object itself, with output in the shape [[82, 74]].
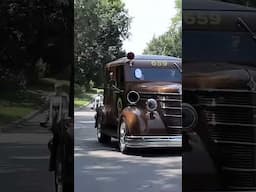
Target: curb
[[27, 117]]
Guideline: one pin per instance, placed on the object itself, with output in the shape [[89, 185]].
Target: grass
[[16, 104], [81, 102], [84, 98], [11, 113]]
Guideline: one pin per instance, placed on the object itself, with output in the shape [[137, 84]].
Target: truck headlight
[[189, 116], [133, 97], [151, 105]]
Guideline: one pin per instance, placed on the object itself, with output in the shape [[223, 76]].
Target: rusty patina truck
[[142, 103]]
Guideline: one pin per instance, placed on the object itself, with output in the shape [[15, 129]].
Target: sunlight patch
[[108, 179], [98, 167]]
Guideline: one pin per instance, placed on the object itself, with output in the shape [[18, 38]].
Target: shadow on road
[[150, 152], [25, 156], [103, 168], [92, 143]]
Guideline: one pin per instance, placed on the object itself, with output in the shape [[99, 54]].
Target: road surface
[[24, 158], [100, 168]]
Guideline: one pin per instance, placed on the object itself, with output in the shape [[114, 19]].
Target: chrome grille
[[231, 118], [169, 107], [231, 115]]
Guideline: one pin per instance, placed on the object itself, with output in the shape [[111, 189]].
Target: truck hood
[[156, 87], [216, 77]]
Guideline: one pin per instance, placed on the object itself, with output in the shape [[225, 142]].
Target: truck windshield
[[155, 74], [229, 34]]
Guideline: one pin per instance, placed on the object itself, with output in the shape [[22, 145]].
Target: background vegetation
[[100, 27], [170, 43], [36, 43]]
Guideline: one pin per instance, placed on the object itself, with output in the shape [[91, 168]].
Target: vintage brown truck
[[142, 102]]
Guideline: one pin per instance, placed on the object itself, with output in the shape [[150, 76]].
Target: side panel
[[140, 123]]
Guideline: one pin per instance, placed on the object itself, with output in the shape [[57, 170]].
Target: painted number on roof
[[159, 63], [201, 19]]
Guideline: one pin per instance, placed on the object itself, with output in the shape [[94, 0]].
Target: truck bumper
[[153, 141]]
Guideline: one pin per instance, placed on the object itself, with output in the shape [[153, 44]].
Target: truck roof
[[214, 6], [145, 58]]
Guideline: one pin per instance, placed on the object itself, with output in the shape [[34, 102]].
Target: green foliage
[[170, 42], [27, 30], [100, 28], [17, 104], [84, 97]]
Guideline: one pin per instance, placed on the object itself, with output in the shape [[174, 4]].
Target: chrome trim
[[232, 124], [166, 115], [163, 99], [222, 90], [172, 126], [238, 189], [153, 141], [156, 93], [233, 142], [169, 100], [128, 99], [163, 107], [238, 169], [226, 105]]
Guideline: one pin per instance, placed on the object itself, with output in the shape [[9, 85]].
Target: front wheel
[[102, 138], [122, 134]]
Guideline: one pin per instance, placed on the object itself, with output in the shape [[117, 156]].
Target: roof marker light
[[130, 55]]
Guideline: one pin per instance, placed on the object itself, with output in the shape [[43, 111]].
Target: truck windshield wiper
[[243, 24]]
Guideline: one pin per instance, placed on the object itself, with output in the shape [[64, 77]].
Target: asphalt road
[[24, 158], [100, 168]]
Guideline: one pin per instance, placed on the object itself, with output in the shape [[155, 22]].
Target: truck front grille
[[169, 107], [231, 118]]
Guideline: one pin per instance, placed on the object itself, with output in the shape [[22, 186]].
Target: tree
[[30, 30], [170, 42], [100, 28]]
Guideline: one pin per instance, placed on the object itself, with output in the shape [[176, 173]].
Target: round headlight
[[133, 97], [151, 105], [189, 116]]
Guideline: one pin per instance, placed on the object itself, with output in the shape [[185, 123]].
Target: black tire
[[121, 138], [102, 138]]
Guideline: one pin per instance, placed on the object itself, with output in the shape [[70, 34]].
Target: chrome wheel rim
[[122, 143]]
